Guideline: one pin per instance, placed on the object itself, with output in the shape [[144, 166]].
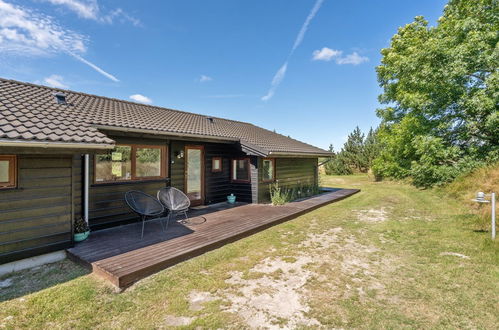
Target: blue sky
[[221, 58]]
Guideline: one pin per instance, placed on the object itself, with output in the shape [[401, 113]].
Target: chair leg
[[186, 217], [161, 222], [143, 222]]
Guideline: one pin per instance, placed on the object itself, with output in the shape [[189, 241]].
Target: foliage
[[282, 195], [357, 154], [80, 226], [440, 85]]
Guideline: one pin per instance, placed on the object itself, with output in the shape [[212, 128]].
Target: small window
[[241, 170], [131, 162], [216, 164], [8, 171], [268, 170]]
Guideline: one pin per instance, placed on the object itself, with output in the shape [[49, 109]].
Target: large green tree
[[441, 87]]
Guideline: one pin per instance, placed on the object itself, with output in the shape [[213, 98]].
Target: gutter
[[41, 144], [299, 154], [157, 132]]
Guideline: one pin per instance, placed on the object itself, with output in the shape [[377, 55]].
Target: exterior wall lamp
[[480, 198]]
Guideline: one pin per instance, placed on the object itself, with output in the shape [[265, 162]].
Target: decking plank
[[115, 255]]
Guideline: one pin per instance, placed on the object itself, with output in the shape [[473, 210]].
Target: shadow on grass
[[27, 281]]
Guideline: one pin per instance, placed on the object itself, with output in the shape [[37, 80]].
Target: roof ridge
[[120, 100]]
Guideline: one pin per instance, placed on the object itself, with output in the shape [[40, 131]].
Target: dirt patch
[[276, 292], [177, 321], [274, 299], [197, 300], [373, 215]]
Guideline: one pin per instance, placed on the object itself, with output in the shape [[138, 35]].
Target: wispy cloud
[[24, 32], [328, 54], [204, 78], [141, 98], [281, 73], [95, 67], [55, 81], [90, 9], [276, 81]]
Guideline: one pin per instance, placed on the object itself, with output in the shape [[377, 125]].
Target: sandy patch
[[454, 254], [372, 215], [274, 299], [177, 321], [197, 300]]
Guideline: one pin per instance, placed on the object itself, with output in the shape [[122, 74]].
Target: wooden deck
[[120, 256]]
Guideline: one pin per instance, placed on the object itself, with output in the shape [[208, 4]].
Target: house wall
[[36, 217], [106, 202], [289, 172], [217, 185]]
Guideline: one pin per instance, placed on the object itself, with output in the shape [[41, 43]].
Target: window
[[240, 170], [131, 162], [268, 169], [8, 171], [216, 164]]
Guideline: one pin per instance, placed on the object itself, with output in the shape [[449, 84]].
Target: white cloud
[[279, 76], [89, 9], [328, 54], [141, 98], [325, 54], [55, 81], [24, 32], [353, 58], [204, 78]]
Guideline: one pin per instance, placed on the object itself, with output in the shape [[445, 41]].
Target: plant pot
[[231, 199], [81, 236]]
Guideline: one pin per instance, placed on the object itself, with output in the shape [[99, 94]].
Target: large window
[[268, 169], [8, 171], [131, 162], [240, 170]]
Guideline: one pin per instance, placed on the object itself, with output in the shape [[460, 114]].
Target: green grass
[[377, 262]]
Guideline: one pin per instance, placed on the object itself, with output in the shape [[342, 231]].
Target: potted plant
[[231, 199], [81, 230]]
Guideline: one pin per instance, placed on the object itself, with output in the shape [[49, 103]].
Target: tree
[[353, 150], [441, 84]]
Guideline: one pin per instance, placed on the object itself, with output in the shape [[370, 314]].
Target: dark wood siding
[[36, 217], [290, 172], [217, 184]]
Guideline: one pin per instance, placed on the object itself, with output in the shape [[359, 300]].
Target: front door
[[194, 174]]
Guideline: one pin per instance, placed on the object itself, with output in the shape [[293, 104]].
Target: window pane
[[216, 164], [194, 173], [268, 170], [4, 171], [240, 169], [115, 165], [148, 162]]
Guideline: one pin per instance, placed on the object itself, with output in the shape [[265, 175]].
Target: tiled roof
[[30, 113]]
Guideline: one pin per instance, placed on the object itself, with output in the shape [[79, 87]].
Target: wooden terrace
[[120, 256]]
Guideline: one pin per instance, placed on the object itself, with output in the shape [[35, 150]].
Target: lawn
[[391, 256]]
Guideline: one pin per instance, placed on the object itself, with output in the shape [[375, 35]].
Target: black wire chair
[[175, 201], [144, 205]]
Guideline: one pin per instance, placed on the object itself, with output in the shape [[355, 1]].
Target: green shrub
[[282, 195]]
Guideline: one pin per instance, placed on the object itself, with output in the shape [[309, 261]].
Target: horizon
[[222, 64]]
